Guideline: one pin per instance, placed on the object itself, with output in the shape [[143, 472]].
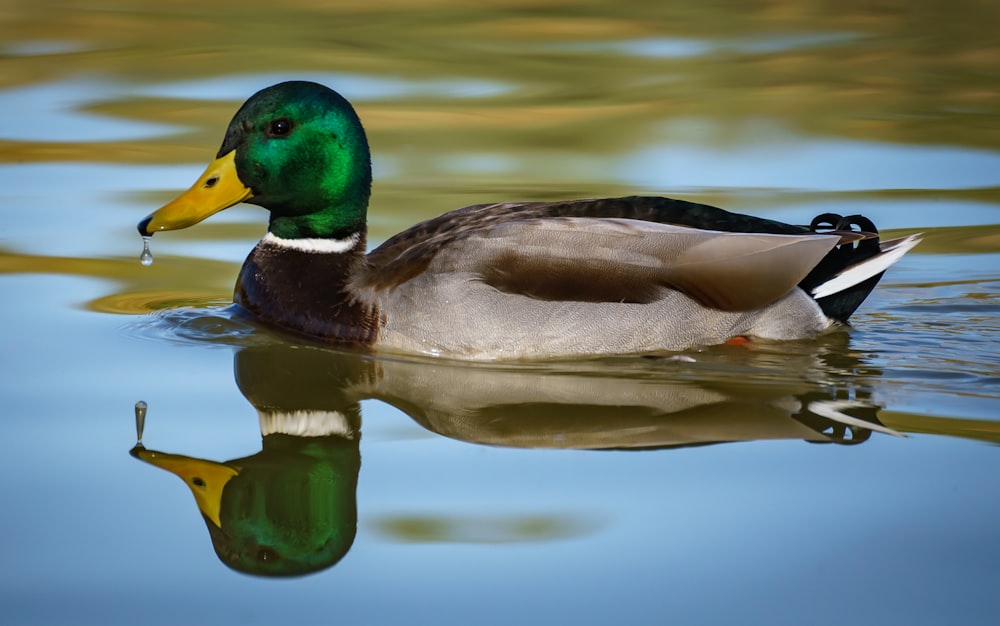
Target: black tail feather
[[841, 305]]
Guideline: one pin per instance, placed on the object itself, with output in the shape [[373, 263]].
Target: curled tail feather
[[845, 278]]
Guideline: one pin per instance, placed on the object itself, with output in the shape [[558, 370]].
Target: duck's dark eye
[[279, 128]]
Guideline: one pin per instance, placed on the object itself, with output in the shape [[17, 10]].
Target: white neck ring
[[314, 245]]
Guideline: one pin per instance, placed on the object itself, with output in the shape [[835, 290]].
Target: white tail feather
[[891, 252]]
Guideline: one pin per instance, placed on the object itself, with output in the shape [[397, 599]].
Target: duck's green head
[[297, 149]]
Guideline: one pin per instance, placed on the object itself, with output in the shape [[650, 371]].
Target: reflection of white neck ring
[[305, 424]]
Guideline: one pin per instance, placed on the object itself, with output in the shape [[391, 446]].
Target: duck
[[510, 280]]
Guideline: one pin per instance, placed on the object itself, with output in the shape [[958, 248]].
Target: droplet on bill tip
[[140, 420], [146, 258]]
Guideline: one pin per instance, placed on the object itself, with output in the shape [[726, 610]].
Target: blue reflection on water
[[904, 213], [51, 112], [811, 164], [41, 47], [43, 200], [686, 48], [353, 86]]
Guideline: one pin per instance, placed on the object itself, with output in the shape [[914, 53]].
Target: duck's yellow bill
[[206, 479], [218, 188]]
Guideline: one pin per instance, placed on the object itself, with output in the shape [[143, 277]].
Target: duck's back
[[423, 240]]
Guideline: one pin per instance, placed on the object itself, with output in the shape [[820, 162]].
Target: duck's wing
[[616, 260], [609, 260], [408, 253]]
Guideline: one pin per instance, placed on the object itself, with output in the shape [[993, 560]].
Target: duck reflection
[[290, 509], [631, 408]]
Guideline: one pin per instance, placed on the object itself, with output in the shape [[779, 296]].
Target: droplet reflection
[[140, 420]]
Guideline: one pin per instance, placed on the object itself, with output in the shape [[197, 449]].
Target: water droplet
[[146, 258], [140, 420]]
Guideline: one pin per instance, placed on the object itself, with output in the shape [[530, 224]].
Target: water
[[781, 484]]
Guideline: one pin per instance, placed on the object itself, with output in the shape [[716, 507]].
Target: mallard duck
[[510, 280]]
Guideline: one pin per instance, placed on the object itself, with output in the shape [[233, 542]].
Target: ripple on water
[[937, 340], [220, 325]]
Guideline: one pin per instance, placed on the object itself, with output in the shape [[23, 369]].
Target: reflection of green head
[[292, 508], [287, 510]]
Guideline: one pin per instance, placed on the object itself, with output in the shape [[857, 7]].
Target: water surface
[[854, 475]]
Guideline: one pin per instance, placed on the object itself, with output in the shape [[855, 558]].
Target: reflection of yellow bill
[[217, 189], [206, 479]]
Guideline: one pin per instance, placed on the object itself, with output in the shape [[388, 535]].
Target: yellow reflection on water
[[172, 282], [892, 75]]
